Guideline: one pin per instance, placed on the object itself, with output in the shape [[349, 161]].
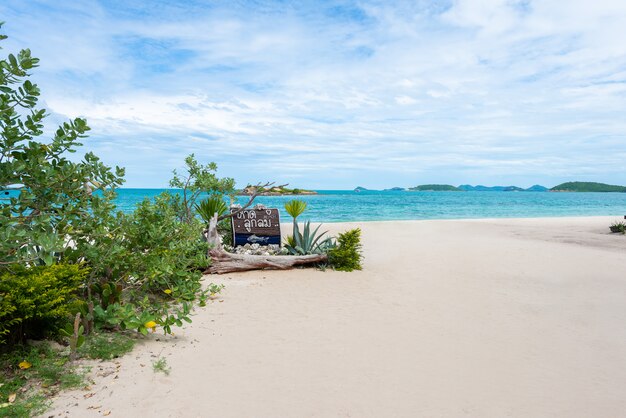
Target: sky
[[338, 94]]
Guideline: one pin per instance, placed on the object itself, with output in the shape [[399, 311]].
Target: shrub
[[53, 194], [37, 301], [154, 273], [144, 268], [618, 227], [346, 256]]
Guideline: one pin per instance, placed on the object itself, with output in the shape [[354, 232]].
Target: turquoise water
[[345, 206]]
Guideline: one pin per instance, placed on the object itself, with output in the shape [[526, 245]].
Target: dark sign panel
[[256, 226]]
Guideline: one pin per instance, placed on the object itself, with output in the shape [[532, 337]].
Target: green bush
[[37, 301], [144, 268], [346, 256], [618, 227], [151, 270]]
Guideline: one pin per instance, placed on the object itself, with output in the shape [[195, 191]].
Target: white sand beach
[[480, 318]]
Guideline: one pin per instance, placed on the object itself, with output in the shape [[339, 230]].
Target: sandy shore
[[481, 318]]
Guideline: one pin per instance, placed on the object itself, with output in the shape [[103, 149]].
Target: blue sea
[[347, 206]]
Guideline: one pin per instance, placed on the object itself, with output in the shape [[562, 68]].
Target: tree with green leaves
[[198, 179], [46, 197], [133, 271]]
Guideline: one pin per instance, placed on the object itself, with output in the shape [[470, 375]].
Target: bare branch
[[253, 195]]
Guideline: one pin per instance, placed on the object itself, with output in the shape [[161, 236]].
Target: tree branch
[[253, 196]]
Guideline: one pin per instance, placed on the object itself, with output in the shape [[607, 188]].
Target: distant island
[[275, 191], [480, 188], [537, 188], [587, 186], [395, 189], [572, 186], [435, 188]]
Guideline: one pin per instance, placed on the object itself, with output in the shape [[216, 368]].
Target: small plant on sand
[[346, 256], [160, 366], [290, 240], [106, 346], [215, 289], [75, 335], [618, 227]]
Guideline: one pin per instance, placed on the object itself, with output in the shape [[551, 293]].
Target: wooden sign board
[[256, 226]]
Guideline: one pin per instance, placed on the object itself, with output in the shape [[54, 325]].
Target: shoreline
[[544, 217]]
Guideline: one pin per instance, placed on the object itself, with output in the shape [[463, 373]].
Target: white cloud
[[330, 89]]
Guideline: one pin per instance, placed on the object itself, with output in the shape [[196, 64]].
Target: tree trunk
[[213, 237], [223, 262]]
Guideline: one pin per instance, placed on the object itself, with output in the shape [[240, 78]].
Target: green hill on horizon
[[587, 186], [435, 188]]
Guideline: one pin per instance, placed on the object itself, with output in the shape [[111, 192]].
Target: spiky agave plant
[[309, 242], [210, 206]]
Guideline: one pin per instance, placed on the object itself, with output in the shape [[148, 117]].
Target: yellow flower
[[150, 324], [24, 365], [168, 291]]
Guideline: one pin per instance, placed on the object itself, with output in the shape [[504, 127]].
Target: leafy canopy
[[144, 269], [198, 179], [45, 196], [295, 208]]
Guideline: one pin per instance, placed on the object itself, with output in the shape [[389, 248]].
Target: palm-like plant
[[210, 206], [295, 208]]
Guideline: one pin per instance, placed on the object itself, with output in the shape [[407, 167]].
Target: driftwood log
[[225, 262]]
